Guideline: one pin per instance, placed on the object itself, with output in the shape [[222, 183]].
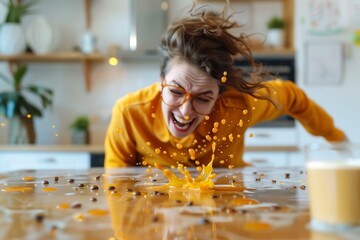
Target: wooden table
[[130, 203]]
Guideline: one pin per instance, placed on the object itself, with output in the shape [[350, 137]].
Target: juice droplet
[[230, 167], [244, 201], [214, 130], [251, 135], [174, 154], [17, 189], [197, 163], [222, 161], [144, 163], [179, 146], [208, 137], [231, 155], [241, 123], [245, 111], [256, 226], [148, 143], [191, 152], [199, 169], [63, 206], [207, 117], [97, 212], [49, 189], [223, 79], [153, 115], [255, 99], [28, 178], [231, 138], [215, 137], [224, 139], [29, 115], [223, 121], [79, 217], [216, 124], [157, 150]]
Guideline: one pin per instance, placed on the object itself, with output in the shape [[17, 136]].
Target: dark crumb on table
[[302, 187], [204, 221], [76, 205], [155, 218], [273, 181], [39, 217], [45, 182], [111, 188], [287, 175], [71, 180], [93, 199], [94, 187], [136, 193]]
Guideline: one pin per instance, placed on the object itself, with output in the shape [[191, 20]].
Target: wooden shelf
[[53, 57], [274, 51], [86, 59]]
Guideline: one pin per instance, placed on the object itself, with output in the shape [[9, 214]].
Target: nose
[[186, 107]]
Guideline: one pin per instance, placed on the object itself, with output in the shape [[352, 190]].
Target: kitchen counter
[[135, 203], [53, 148], [100, 148]]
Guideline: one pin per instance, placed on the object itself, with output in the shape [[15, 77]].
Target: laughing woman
[[202, 98]]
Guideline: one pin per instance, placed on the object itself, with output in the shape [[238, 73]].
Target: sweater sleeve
[[119, 146], [292, 101]]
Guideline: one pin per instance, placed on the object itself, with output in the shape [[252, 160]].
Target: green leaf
[[45, 94], [28, 108], [19, 75], [16, 11]]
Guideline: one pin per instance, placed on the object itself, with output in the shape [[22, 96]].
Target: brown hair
[[204, 39]]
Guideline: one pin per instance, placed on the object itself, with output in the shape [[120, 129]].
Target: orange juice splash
[[202, 182]]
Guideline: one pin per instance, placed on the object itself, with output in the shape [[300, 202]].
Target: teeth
[[183, 121]]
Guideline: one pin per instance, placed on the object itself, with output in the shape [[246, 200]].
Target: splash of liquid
[[202, 182]]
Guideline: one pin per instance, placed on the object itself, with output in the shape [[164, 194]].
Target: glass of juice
[[334, 186]]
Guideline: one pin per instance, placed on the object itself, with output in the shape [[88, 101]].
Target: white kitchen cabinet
[[10, 161], [277, 147]]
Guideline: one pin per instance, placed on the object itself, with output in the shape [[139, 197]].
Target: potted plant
[[275, 34], [18, 109], [80, 130], [12, 39]]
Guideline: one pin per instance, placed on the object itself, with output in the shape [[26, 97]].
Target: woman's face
[[195, 89]]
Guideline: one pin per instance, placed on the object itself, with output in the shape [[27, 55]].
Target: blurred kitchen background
[[320, 51]]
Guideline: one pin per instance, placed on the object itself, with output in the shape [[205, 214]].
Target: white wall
[[340, 100]]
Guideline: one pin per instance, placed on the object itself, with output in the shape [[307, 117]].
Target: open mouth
[[182, 124]]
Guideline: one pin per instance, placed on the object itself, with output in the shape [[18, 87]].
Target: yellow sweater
[[138, 135]]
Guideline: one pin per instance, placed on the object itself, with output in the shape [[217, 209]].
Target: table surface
[[132, 203]]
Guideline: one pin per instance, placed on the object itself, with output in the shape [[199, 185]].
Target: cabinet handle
[[49, 160], [259, 160], [262, 135]]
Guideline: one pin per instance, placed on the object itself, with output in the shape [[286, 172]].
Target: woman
[[203, 101]]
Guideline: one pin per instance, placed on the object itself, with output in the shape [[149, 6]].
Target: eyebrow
[[201, 93]]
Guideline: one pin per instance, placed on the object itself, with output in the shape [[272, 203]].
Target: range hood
[[148, 20]]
